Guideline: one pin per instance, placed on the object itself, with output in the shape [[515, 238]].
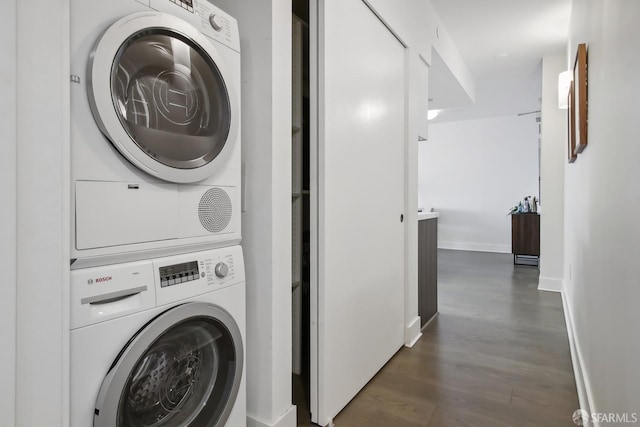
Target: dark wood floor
[[496, 356]]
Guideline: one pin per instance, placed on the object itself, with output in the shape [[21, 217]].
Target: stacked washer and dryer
[[157, 273]]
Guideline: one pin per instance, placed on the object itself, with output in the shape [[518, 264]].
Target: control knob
[[221, 270], [216, 22]]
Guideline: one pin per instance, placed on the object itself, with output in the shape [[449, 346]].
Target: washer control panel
[[107, 292], [185, 4], [179, 273], [220, 270], [183, 276]]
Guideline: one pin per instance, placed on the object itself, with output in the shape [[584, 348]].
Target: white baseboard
[[412, 333], [582, 379], [476, 247], [550, 284], [288, 419], [426, 325]]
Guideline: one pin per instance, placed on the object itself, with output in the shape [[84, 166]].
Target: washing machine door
[[161, 93], [182, 369]]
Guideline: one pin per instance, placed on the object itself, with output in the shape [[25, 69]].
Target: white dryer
[[155, 129], [160, 342]]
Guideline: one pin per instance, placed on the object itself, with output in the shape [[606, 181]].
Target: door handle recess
[[113, 296]]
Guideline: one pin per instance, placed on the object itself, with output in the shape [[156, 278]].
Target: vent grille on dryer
[[215, 210]]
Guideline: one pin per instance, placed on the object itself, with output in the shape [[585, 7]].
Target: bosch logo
[[99, 280]]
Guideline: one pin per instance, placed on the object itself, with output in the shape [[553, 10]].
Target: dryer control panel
[[210, 20], [217, 24]]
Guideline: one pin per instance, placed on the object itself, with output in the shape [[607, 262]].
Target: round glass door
[[170, 98], [165, 96], [181, 370]]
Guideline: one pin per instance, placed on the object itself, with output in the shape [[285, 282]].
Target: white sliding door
[[358, 287]]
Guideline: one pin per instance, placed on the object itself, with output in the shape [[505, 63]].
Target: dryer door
[[182, 369], [159, 91]]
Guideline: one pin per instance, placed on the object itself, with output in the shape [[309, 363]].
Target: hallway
[[496, 356]]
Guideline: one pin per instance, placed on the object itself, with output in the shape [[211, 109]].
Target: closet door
[[358, 297]]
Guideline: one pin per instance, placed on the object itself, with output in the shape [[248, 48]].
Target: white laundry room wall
[[8, 237], [37, 173], [602, 202], [472, 172]]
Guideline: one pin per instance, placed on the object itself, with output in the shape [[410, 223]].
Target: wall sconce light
[[564, 81], [432, 114]]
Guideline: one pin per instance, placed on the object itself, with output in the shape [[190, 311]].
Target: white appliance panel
[[99, 294], [119, 213]]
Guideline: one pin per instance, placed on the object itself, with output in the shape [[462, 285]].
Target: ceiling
[[501, 39]]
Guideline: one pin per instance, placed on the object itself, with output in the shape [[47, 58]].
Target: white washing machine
[[155, 129], [160, 342]]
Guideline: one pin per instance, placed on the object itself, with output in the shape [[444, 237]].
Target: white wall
[[42, 253], [552, 160], [265, 36], [496, 97], [8, 237], [472, 172], [419, 26], [601, 209], [446, 48]]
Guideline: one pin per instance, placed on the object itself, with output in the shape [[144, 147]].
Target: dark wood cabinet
[[427, 269], [525, 236]]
